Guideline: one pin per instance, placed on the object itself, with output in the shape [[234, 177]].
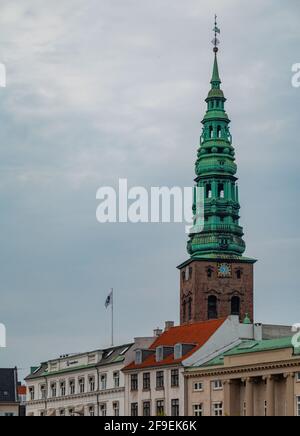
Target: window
[[175, 407], [146, 408], [298, 377], [134, 409], [71, 412], [265, 408], [198, 409], [190, 309], [160, 408], [116, 408], [43, 392], [211, 132], [116, 379], [174, 378], [91, 411], [62, 412], [183, 275], [219, 132], [72, 387], [298, 406], [138, 357], [62, 387], [218, 409], [198, 387], [31, 393], [221, 192], [184, 310], [239, 274], [235, 306], [81, 385], [103, 410], [103, 382], [208, 191], [159, 380], [178, 351], [217, 385], [212, 307], [92, 384], [146, 381], [134, 382], [53, 390], [209, 273], [159, 354]]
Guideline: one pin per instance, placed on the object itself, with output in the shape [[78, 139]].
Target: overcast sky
[[103, 89]]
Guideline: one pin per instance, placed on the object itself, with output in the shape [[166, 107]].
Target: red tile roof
[[197, 333], [22, 390]]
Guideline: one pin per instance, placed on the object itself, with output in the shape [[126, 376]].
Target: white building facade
[[87, 384]]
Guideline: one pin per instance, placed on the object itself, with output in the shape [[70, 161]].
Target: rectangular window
[[198, 387], [91, 411], [218, 409], [217, 385], [116, 408], [134, 409], [159, 380], [198, 409], [298, 406], [174, 378], [92, 384], [43, 392], [103, 410], [146, 381], [81, 385], [298, 377], [160, 408], [72, 387], [116, 379], [62, 389], [31, 393], [175, 407], [146, 408], [134, 382], [53, 390], [103, 382]]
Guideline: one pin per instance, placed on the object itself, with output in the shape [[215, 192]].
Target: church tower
[[217, 280]]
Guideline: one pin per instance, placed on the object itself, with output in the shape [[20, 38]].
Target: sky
[[99, 90]]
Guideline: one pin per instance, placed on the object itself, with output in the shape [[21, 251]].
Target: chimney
[[157, 332], [169, 325]]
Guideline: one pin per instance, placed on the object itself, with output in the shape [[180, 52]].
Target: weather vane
[[217, 31]]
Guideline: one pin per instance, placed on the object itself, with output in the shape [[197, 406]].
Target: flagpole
[[112, 318]]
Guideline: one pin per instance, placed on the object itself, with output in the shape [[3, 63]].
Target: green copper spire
[[215, 80], [216, 169]]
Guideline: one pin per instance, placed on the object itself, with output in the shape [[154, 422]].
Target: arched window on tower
[[190, 308], [235, 306], [221, 191], [208, 190], [184, 311], [211, 132], [219, 132], [212, 306]]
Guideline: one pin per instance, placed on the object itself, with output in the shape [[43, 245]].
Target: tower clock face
[[224, 270]]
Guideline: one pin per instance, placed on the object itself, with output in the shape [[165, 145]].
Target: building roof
[[8, 385], [110, 356], [247, 347], [197, 333]]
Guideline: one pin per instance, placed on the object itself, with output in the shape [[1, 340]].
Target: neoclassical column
[[227, 397], [270, 395], [249, 397], [290, 394]]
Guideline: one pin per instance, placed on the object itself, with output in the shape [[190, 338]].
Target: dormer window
[[159, 354], [138, 357], [178, 351]]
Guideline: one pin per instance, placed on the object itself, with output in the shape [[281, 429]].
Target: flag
[[109, 300]]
